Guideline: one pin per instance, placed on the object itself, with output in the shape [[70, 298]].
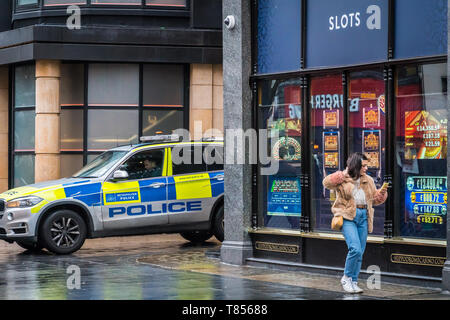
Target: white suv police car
[[128, 190]]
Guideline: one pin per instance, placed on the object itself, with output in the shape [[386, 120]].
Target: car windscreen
[[100, 165]]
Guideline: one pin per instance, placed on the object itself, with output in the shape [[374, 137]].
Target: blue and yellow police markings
[[217, 183], [121, 193], [193, 186]]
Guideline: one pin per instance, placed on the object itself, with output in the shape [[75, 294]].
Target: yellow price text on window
[[430, 219]]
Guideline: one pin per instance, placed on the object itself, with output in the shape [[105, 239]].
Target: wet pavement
[[166, 267]]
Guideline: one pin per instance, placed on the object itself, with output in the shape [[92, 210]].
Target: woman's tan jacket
[[345, 205]]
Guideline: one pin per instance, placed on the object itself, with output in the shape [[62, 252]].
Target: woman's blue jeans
[[355, 233]]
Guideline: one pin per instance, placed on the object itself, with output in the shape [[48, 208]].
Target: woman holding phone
[[356, 194]]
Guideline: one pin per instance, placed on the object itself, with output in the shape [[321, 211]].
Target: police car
[[163, 185]]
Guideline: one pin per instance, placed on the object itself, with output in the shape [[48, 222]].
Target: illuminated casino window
[[166, 3], [421, 150], [366, 133], [280, 112], [326, 107]]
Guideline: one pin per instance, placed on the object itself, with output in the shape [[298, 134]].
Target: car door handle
[[157, 185], [218, 177]]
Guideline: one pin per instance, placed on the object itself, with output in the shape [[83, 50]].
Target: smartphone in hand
[[385, 185]]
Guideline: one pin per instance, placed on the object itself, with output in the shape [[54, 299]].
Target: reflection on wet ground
[[160, 267]]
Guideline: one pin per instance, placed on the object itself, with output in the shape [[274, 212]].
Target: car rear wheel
[[63, 232], [218, 224], [30, 246], [196, 236]]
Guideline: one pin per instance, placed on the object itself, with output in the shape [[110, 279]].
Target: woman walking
[[355, 195]]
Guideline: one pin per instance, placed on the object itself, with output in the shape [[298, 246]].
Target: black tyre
[[63, 232], [218, 224], [196, 236], [30, 246]]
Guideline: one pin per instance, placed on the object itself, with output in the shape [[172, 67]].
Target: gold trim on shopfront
[[417, 260], [277, 247], [339, 236]]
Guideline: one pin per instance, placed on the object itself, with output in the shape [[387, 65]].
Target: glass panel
[[24, 123], [71, 130], [117, 2], [213, 156], [171, 3], [420, 28], [106, 84], [143, 165], [187, 160], [98, 165], [25, 84], [327, 119], [111, 128], [280, 112], [72, 84], [163, 85], [70, 163], [63, 2], [25, 2], [23, 170], [366, 100], [279, 35], [161, 121], [91, 157], [421, 104]]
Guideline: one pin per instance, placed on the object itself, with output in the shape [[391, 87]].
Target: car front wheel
[[63, 232]]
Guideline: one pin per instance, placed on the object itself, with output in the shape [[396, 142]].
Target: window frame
[[41, 6], [85, 108]]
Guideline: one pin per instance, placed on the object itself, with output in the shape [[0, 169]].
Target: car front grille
[[2, 205]]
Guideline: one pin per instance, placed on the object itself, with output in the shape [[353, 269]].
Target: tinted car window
[[187, 159], [213, 156]]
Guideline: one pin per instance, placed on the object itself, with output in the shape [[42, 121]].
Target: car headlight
[[24, 202]]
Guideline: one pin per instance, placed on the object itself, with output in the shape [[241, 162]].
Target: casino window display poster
[[425, 195], [280, 112], [326, 103], [284, 196]]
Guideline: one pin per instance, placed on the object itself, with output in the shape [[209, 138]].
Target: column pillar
[[217, 87], [200, 98], [4, 142], [237, 246], [47, 131], [446, 269]]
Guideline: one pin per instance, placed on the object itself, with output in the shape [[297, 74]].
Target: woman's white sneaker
[[356, 288], [347, 284]]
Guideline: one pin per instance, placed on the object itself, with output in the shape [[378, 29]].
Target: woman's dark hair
[[354, 164]]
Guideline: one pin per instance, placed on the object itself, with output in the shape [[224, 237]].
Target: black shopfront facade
[[330, 78]]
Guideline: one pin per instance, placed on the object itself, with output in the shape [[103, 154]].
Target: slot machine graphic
[[331, 146]]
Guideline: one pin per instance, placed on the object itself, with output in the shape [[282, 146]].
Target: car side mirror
[[120, 175]]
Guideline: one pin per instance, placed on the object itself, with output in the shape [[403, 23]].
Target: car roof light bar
[[160, 138], [212, 139]]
